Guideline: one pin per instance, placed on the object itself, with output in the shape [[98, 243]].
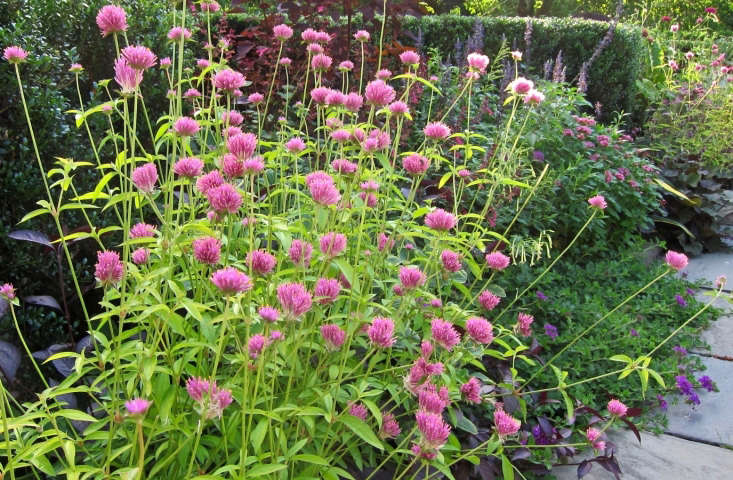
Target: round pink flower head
[[478, 62], [261, 262], [207, 250], [176, 33], [346, 66], [390, 428], [300, 253], [353, 102], [341, 165], [137, 406], [142, 230], [139, 57], [411, 277], [319, 94], [15, 54], [439, 219], [324, 192], [255, 98], [282, 32], [127, 77], [314, 49], [294, 299], [327, 290], [295, 145], [497, 261], [524, 324], [140, 256], [517, 55], [197, 387], [228, 80], [7, 290], [381, 332], [188, 167], [534, 97], [253, 165], [286, 62], [309, 35], [255, 345], [210, 7], [340, 136], [383, 74], [111, 19], [186, 127], [617, 408], [451, 261], [444, 334], [211, 180], [488, 300], [432, 400], [384, 242], [224, 199], [109, 269], [333, 335], [268, 314], [436, 130], [332, 244], [361, 36], [231, 281], [426, 349], [505, 423], [232, 117], [398, 108], [480, 330], [471, 390], [410, 58], [243, 146], [597, 202], [415, 164], [379, 93], [676, 260], [321, 62], [433, 429], [520, 86], [191, 93], [359, 411], [202, 63]]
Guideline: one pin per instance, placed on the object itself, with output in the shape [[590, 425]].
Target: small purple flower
[[551, 331], [662, 403], [538, 156], [680, 350], [690, 291], [680, 300], [633, 332], [706, 383], [684, 385], [542, 296]]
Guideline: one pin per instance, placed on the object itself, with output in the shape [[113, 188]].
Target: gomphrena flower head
[[436, 130], [268, 314], [209, 7], [332, 244], [7, 291], [505, 424], [127, 77], [111, 19], [361, 36], [109, 269], [15, 54], [210, 398], [359, 411], [327, 290], [294, 299], [145, 176], [384, 242], [191, 93], [383, 74], [497, 261], [433, 429], [594, 437], [471, 390], [524, 324], [478, 62], [253, 165], [186, 127], [480, 330], [255, 98], [597, 202], [321, 62], [142, 230], [381, 332], [676, 260], [211, 180], [178, 33], [411, 277], [398, 108], [140, 256], [300, 253], [379, 93], [390, 428], [431, 399], [188, 167], [451, 261], [440, 220], [616, 408], [520, 86], [139, 57], [243, 146], [137, 406], [295, 145], [232, 117], [231, 281], [261, 262], [346, 66], [324, 192], [415, 164], [207, 250], [333, 335], [353, 102], [228, 80], [534, 97], [444, 333], [256, 344], [343, 166], [224, 199], [282, 32], [488, 300], [410, 58]]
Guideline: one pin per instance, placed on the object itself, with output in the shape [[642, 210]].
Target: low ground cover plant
[[286, 307]]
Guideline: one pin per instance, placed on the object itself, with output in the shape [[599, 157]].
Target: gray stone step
[[709, 267]]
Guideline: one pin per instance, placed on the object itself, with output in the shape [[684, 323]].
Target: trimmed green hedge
[[612, 76]]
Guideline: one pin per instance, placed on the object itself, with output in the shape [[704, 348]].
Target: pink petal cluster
[[127, 77], [186, 127], [497, 261], [327, 290], [256, 345], [433, 429], [211, 180], [333, 335], [617, 408], [471, 390], [410, 58], [232, 117], [436, 130], [488, 300], [359, 411], [451, 261], [139, 57], [415, 164], [137, 406], [411, 277], [261, 262], [444, 333], [243, 146], [353, 102], [300, 253], [676, 260], [524, 324], [7, 290], [440, 220], [109, 269], [594, 437], [384, 242], [294, 299], [520, 86], [332, 244], [188, 167], [390, 428], [207, 250], [211, 399], [379, 93], [228, 80], [322, 188], [268, 314], [145, 177], [231, 281], [224, 199], [480, 330], [505, 423], [282, 32], [176, 33], [344, 166], [381, 332], [111, 19], [597, 202], [361, 36], [478, 62], [15, 54], [432, 400], [321, 62], [295, 145]]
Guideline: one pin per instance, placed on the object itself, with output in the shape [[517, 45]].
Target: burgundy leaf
[[3, 306], [521, 454], [31, 236], [9, 360], [43, 300], [584, 468], [545, 426], [632, 427]]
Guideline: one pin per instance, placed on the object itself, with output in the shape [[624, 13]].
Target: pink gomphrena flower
[[232, 117], [108, 269], [202, 63], [358, 410], [197, 387], [332, 244], [207, 250], [381, 332], [436, 130], [324, 192], [319, 94], [673, 65], [186, 127], [318, 176], [309, 35], [340, 136], [497, 261], [444, 333], [505, 424], [253, 165], [369, 185], [689, 55], [211, 180], [432, 400], [188, 167], [142, 230], [321, 62], [410, 58], [333, 335], [379, 93], [369, 199], [228, 80], [210, 398], [327, 290], [343, 166], [440, 220], [336, 98], [597, 202], [720, 281], [520, 86], [127, 77], [383, 74], [480, 330], [294, 299], [300, 253], [334, 122], [346, 66], [232, 132], [255, 345], [323, 37], [255, 98], [676, 260], [616, 408], [411, 277], [488, 300], [524, 324], [398, 108], [471, 390], [426, 349], [144, 177], [517, 56], [76, 68], [286, 62], [384, 242], [191, 93], [276, 335], [243, 146], [140, 256], [268, 314], [390, 428], [282, 32], [464, 173], [137, 406], [295, 145], [534, 97], [139, 57], [210, 7], [261, 262], [478, 62], [231, 281], [176, 33], [111, 19], [7, 291], [314, 49], [415, 164], [353, 102], [433, 429], [451, 261], [594, 436], [224, 199], [361, 36], [15, 54]]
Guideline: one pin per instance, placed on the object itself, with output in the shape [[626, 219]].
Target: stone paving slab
[[719, 335], [709, 267], [712, 420], [663, 457]]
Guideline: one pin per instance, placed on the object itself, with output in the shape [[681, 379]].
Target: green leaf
[[362, 430], [444, 179], [621, 358], [507, 470], [568, 404], [264, 469], [421, 80], [75, 415], [258, 435], [466, 425], [310, 458], [672, 190], [657, 377]]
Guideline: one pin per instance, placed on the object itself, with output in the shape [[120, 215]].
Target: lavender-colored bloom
[[662, 403], [411, 277], [7, 290], [321, 62], [243, 146], [436, 130], [633, 332], [444, 333], [142, 230], [680, 300], [294, 299], [524, 324], [207, 250], [471, 390], [359, 411], [680, 350], [706, 383], [676, 260], [186, 127], [140, 256], [224, 199], [541, 296], [268, 314], [228, 80], [497, 261], [108, 269], [433, 429], [188, 167], [176, 33], [409, 57], [361, 36], [598, 202], [282, 32], [255, 345], [505, 423], [379, 93], [295, 145], [488, 300], [111, 19], [381, 332], [332, 244], [390, 428], [261, 262], [327, 290], [451, 261], [144, 177], [616, 408], [551, 331], [333, 335], [440, 220]]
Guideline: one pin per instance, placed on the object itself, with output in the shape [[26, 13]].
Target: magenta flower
[[488, 300], [524, 324], [255, 98], [228, 80], [300, 253], [359, 411], [231, 281], [676, 260], [411, 277], [139, 57], [497, 261], [471, 390], [177, 33], [551, 331], [165, 62], [383, 74], [108, 269], [309, 35], [505, 423], [398, 108], [137, 406], [333, 335], [390, 428], [294, 299], [597, 202], [319, 94], [7, 290], [268, 314], [324, 192], [127, 77], [327, 290], [426, 349], [321, 62], [381, 332], [415, 164], [186, 127], [433, 429], [207, 250], [209, 181], [410, 58], [286, 62], [616, 408], [212, 400], [15, 54], [451, 261], [140, 256], [384, 242], [594, 438], [253, 165], [440, 220], [243, 146], [295, 145], [436, 130], [255, 345], [202, 63], [444, 334], [379, 93], [197, 388], [534, 97], [344, 166], [142, 230], [478, 62], [520, 86], [261, 262], [361, 36], [145, 177], [353, 102], [210, 7], [111, 19], [282, 32], [232, 166], [480, 330], [346, 66], [224, 199], [332, 244], [232, 117], [432, 400]]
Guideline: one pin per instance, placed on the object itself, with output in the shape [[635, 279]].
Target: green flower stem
[[3, 412], [407, 468], [402, 444], [141, 449], [199, 429], [272, 83]]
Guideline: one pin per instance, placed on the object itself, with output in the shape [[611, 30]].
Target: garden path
[[698, 442]]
